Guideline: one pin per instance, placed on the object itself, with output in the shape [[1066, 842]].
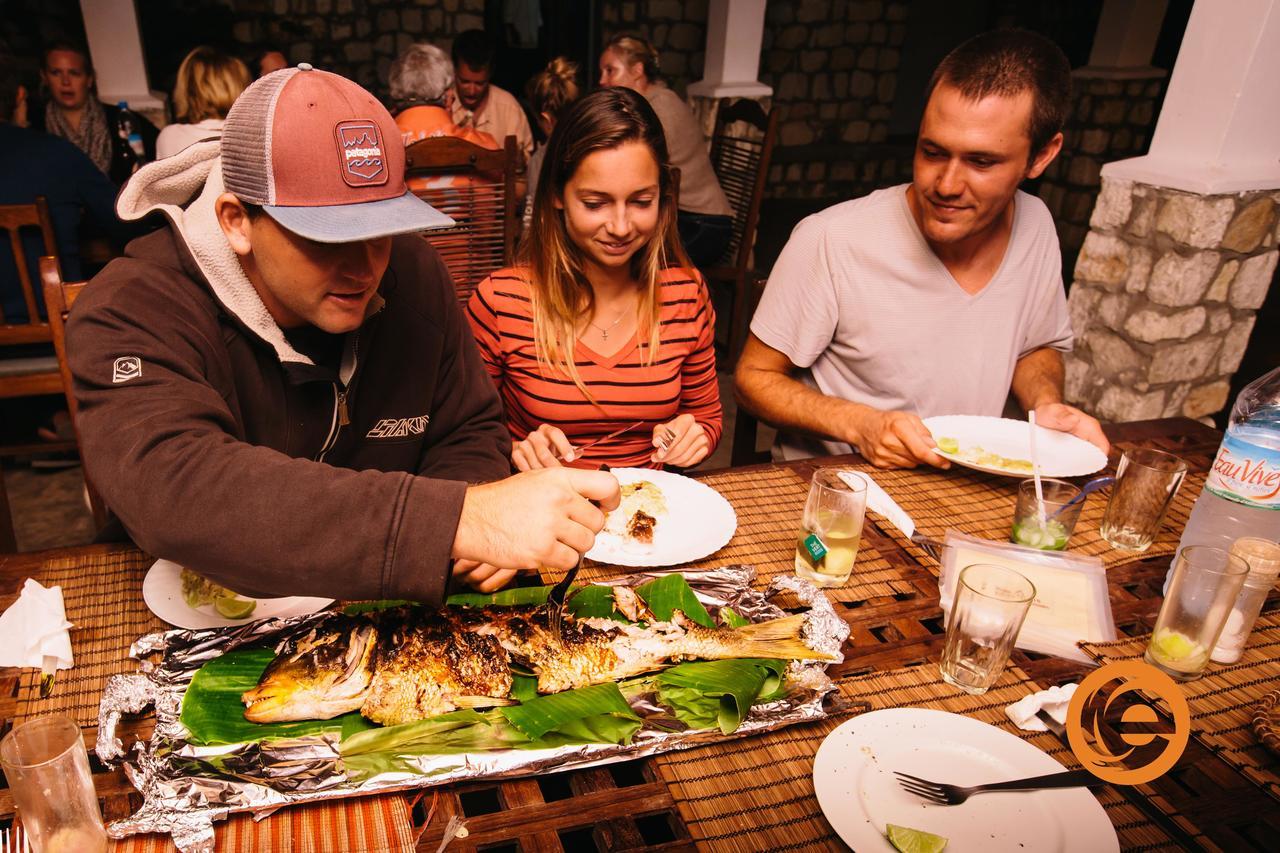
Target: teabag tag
[[878, 499]]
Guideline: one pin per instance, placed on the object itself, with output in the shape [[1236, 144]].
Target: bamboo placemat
[[769, 503], [1222, 701], [103, 599], [379, 824], [982, 505], [758, 794]]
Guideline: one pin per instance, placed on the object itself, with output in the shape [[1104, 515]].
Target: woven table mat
[[769, 503], [1222, 701], [982, 505], [103, 599], [380, 824], [758, 794]]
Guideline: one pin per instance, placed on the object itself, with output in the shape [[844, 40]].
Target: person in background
[[59, 171], [604, 322], [706, 219], [421, 90], [280, 388], [268, 60], [75, 114], [937, 297], [208, 83], [480, 105], [550, 93]]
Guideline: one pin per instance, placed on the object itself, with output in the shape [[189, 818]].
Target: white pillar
[[735, 32], [1127, 33], [115, 43], [1219, 129]]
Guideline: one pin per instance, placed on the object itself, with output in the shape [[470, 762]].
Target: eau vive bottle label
[[1246, 473]]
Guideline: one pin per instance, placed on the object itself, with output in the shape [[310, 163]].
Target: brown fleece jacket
[[221, 447]]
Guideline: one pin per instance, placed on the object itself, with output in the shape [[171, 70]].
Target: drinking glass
[[987, 612], [47, 769], [1146, 481], [1204, 587], [831, 527], [1057, 529]]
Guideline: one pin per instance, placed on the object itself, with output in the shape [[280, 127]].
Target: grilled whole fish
[[410, 663]]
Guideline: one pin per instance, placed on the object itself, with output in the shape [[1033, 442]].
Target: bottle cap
[[124, 105], [305, 66], [1262, 555]]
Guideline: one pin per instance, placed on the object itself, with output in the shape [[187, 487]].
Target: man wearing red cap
[[279, 389]]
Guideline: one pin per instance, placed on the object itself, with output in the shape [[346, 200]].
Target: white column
[[115, 43], [735, 32], [1219, 129]]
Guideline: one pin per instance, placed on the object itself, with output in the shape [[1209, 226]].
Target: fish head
[[327, 673]]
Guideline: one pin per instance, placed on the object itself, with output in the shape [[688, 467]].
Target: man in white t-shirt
[[938, 297]]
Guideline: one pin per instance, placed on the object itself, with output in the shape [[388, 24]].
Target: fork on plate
[[14, 840], [954, 795]]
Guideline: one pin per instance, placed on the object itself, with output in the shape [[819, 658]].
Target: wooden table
[[625, 806]]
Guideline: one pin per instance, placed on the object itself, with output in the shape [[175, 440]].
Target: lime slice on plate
[[949, 445], [230, 607], [914, 840]]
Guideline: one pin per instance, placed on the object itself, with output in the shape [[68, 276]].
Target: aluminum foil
[[187, 786]]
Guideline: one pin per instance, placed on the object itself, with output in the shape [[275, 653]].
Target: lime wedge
[[1176, 647], [914, 840], [949, 445], [230, 607]]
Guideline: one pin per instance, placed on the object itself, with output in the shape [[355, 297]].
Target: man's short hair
[[10, 80], [421, 75], [1009, 62], [474, 49]]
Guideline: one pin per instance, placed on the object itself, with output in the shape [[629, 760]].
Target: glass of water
[[47, 769], [1146, 481], [831, 526], [1205, 584], [987, 612]]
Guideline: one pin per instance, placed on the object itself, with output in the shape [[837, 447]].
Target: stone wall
[[1166, 291], [1113, 116]]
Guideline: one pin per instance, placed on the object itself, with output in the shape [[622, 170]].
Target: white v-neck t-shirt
[[869, 313]]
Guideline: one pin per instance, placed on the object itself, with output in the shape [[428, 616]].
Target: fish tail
[[776, 638]]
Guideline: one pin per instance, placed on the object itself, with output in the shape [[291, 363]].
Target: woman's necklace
[[605, 330]]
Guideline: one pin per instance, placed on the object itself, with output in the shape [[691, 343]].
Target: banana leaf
[[213, 713], [595, 714], [670, 593], [719, 693]]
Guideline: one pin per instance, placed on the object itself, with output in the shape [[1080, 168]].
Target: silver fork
[[932, 547], [13, 840], [954, 795]]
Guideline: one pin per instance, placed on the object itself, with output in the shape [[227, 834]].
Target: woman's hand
[[545, 447], [481, 577], [681, 442]]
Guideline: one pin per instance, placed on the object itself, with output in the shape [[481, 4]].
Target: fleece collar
[[184, 188]]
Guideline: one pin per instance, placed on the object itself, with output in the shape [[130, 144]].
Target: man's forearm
[[789, 404], [1038, 378]]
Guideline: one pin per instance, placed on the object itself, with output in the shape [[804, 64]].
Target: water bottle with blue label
[[1241, 496]]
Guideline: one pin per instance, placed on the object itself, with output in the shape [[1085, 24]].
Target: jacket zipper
[[341, 415]]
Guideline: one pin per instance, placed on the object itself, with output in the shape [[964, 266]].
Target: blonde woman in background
[[208, 83], [550, 93], [706, 219]]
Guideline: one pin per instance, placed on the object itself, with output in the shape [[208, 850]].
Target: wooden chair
[[23, 374], [741, 149], [482, 201], [746, 426], [59, 296]]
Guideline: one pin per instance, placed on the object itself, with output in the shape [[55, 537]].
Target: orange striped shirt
[[680, 380]]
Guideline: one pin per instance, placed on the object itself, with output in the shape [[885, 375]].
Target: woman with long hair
[[706, 218], [604, 323], [207, 84]]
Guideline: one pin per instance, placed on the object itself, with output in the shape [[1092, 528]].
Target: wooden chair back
[[59, 297], [746, 426], [741, 150], [27, 376], [481, 200]]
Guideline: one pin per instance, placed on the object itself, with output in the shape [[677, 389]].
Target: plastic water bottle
[[1241, 496], [128, 128]]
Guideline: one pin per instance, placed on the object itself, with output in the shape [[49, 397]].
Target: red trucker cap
[[322, 157]]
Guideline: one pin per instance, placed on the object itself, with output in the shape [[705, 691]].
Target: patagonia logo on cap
[[360, 152]]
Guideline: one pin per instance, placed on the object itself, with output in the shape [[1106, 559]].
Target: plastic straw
[[1035, 472]]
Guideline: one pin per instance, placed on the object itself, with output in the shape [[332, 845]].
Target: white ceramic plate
[[1061, 454], [853, 778], [162, 591], [699, 522]]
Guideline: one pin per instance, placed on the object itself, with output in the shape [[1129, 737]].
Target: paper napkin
[[878, 500], [34, 627], [1054, 700]]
